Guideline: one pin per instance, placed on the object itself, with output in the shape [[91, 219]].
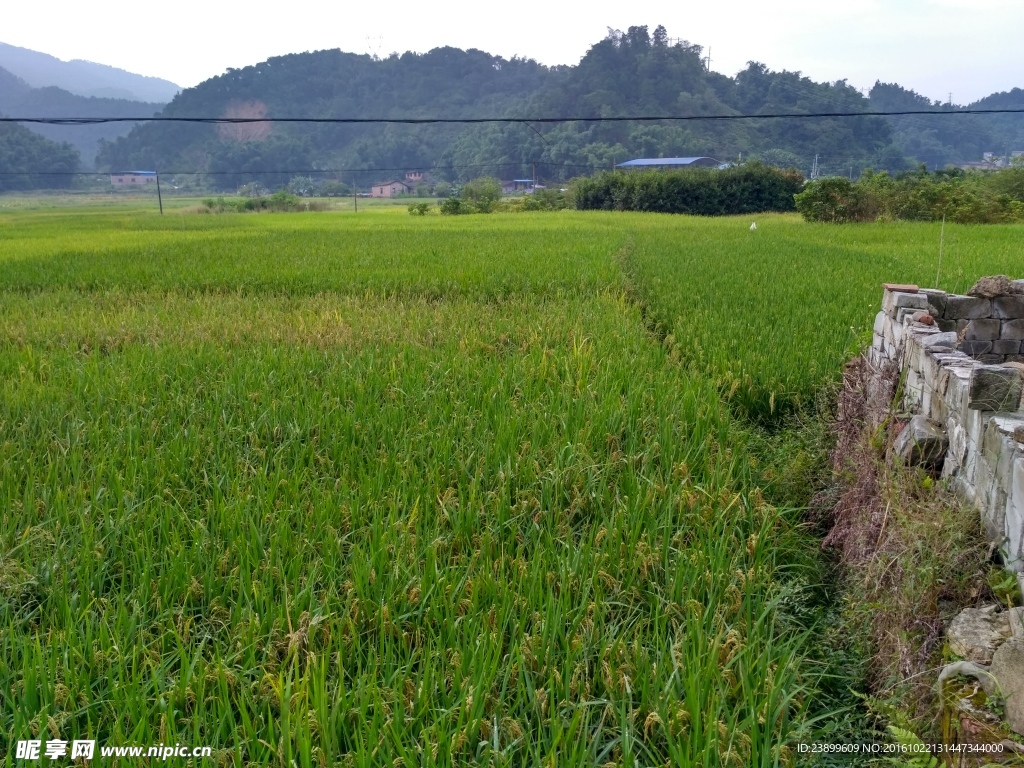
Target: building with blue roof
[[671, 162]]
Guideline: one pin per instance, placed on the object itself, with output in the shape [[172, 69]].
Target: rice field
[[773, 313], [318, 489]]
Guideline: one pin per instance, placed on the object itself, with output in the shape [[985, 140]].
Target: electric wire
[[485, 120]]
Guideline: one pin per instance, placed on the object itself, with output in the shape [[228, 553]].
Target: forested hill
[[445, 81], [630, 73], [19, 99], [937, 141], [30, 161]]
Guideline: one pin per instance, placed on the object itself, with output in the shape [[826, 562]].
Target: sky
[[967, 48]]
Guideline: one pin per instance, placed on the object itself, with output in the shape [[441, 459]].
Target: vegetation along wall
[[961, 361]]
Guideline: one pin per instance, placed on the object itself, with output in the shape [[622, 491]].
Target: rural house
[[390, 189], [132, 178], [516, 185]]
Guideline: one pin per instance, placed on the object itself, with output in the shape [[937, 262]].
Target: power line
[[484, 120]]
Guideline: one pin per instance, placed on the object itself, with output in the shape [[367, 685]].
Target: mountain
[[12, 86], [444, 81], [941, 140], [19, 99], [627, 73], [1007, 130], [84, 78]]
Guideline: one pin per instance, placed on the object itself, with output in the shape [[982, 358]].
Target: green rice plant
[[773, 313], [392, 490], [368, 531], [308, 253]]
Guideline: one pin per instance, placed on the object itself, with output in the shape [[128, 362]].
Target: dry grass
[[912, 552]]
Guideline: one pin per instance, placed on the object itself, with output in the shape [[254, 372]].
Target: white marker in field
[[753, 226]]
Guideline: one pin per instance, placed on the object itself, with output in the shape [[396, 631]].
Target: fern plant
[[916, 754]]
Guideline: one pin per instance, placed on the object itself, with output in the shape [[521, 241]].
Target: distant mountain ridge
[[84, 78], [19, 99]]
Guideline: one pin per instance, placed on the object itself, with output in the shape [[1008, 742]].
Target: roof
[[393, 181], [704, 162], [133, 173]]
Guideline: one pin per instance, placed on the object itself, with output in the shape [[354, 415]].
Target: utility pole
[[355, 197], [814, 168], [534, 176], [709, 59], [159, 197]]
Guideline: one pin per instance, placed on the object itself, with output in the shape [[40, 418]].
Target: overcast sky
[[969, 48]]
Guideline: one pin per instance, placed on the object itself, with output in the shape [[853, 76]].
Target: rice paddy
[[387, 490], [773, 313]]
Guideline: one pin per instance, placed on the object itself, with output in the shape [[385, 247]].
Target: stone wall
[[961, 366]]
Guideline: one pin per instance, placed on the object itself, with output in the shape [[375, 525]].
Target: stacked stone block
[[962, 368], [989, 329]]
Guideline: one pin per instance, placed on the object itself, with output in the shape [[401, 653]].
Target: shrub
[[278, 202], [965, 198], [305, 186], [418, 209], [335, 189], [252, 189], [545, 200], [540, 200], [453, 206], [749, 188], [483, 193], [835, 200]]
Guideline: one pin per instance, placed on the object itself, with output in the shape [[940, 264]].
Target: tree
[[30, 161], [780, 158], [483, 193], [834, 200], [305, 186]]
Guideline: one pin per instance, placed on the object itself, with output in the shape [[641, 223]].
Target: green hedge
[[749, 188], [994, 197]]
